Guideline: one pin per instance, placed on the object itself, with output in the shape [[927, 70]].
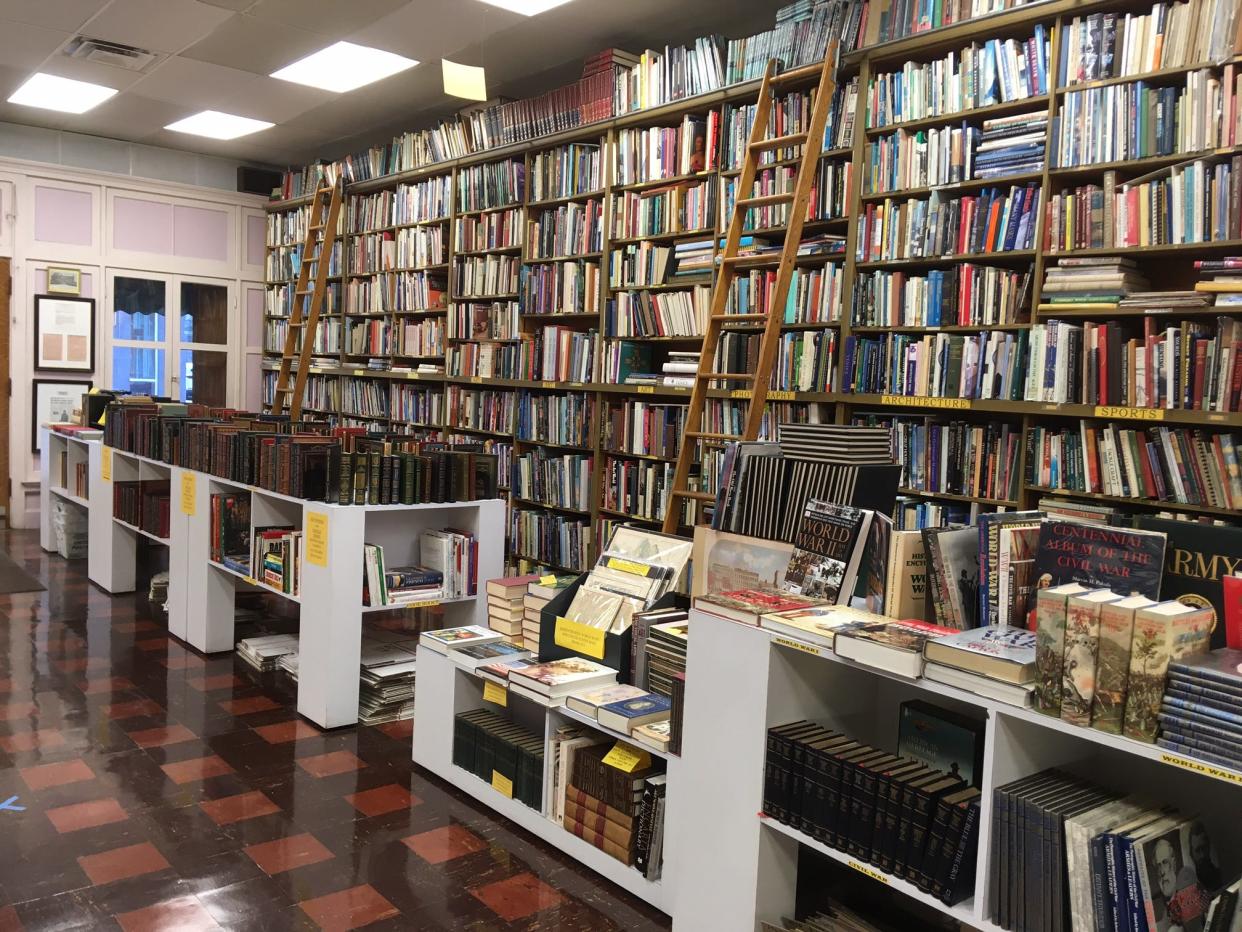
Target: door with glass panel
[[170, 336]]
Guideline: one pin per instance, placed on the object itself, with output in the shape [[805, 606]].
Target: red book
[[1233, 610]]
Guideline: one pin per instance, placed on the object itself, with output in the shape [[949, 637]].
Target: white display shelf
[[428, 603], [77, 451], [445, 689], [137, 530], [611, 732], [257, 583], [69, 496], [742, 680]]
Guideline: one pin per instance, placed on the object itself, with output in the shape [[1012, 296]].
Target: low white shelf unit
[[741, 867], [445, 689], [56, 486]]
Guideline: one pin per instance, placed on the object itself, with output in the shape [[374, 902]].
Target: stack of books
[[1222, 280], [397, 585], [603, 804], [539, 592], [505, 606], [1012, 145], [680, 368], [666, 655], [548, 684], [386, 683], [1091, 284], [497, 751], [264, 653], [635, 712], [692, 258], [1199, 713]]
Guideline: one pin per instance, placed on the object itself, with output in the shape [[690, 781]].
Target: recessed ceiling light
[[218, 125], [343, 67], [64, 94], [526, 7]]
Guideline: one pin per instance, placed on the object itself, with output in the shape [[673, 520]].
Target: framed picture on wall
[[63, 280], [53, 401], [64, 333]]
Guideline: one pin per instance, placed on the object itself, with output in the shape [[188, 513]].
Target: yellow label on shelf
[[925, 401], [780, 396], [628, 566], [1216, 417], [798, 645], [547, 384], [189, 492], [495, 693], [740, 393], [580, 638], [627, 758], [869, 871], [103, 418], [547, 580], [502, 784], [646, 389], [1133, 414], [317, 538], [1201, 767], [477, 379], [412, 375], [251, 580], [105, 464]]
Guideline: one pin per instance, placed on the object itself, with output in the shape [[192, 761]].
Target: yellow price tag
[[869, 871], [105, 464], [495, 693], [251, 580], [476, 379], [1132, 414], [646, 389], [103, 417], [189, 490], [580, 638], [502, 784], [547, 384], [412, 375], [627, 758], [317, 538], [358, 372], [547, 580], [628, 566]]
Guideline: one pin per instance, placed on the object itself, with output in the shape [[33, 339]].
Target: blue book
[[628, 714]]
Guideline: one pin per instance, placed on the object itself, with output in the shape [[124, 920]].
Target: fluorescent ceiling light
[[64, 94], [343, 67], [526, 7], [218, 125]]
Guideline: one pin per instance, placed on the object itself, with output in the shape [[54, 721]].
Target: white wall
[[97, 222]]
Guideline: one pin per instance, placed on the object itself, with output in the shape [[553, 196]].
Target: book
[[1198, 558], [818, 624], [1220, 668], [1170, 631], [557, 678], [625, 714], [828, 551], [954, 556], [1001, 652], [906, 595], [1112, 661], [895, 646], [749, 605], [977, 683], [589, 701], [655, 734], [1178, 874], [473, 656], [1051, 604], [941, 738], [510, 587], [1125, 560], [448, 639], [1082, 634]]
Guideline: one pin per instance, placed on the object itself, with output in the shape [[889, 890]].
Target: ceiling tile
[[238, 6], [134, 115], [277, 101], [54, 14], [248, 44], [95, 73], [432, 29], [25, 46], [159, 25], [197, 84], [327, 17]]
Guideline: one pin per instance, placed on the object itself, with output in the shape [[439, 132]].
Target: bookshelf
[[644, 209]]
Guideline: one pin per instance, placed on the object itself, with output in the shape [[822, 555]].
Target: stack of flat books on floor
[[386, 681], [288, 663], [264, 653]]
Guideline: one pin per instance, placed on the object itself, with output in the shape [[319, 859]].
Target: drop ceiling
[[217, 54]]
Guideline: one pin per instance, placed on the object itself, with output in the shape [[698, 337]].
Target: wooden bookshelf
[[1162, 263]]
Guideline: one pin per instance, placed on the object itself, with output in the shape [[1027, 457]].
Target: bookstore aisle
[[146, 786]]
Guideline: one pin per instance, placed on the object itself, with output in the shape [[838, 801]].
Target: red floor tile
[[284, 854], [122, 863], [133, 709], [48, 775], [517, 897], [349, 909], [151, 644], [76, 665], [444, 844], [11, 711], [200, 768], [223, 681], [401, 731], [382, 799], [6, 684], [9, 921], [115, 684], [161, 737], [248, 706], [184, 662], [185, 914], [230, 809], [282, 732], [86, 815], [22, 741], [330, 764]]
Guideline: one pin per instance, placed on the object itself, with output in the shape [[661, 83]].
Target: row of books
[[494, 230], [283, 263], [278, 299], [560, 288], [682, 207], [910, 17], [566, 171], [965, 295], [788, 115], [657, 152], [491, 184], [549, 539], [490, 746], [495, 321], [429, 200], [446, 568], [563, 481], [644, 429], [802, 33], [327, 337], [479, 409], [144, 504], [829, 199], [485, 277], [395, 292], [981, 75], [815, 294], [406, 248], [567, 230], [288, 228], [558, 420], [991, 364], [658, 314]]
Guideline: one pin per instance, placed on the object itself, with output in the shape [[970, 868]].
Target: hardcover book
[[447, 639], [895, 646], [1129, 562], [558, 677], [1001, 652], [1220, 668], [1197, 560], [942, 739], [818, 624], [1163, 633], [906, 595], [955, 552], [1112, 662], [1178, 875], [747, 605], [828, 549], [724, 562], [1082, 633], [1050, 607], [588, 702], [627, 714]]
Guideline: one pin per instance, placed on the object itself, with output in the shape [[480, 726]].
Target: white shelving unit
[[54, 446], [445, 689], [742, 680]]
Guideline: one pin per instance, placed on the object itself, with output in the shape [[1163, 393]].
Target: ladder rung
[[309, 291], [727, 376], [734, 317], [765, 258], [701, 435], [697, 496], [797, 74], [317, 226], [297, 323], [778, 142], [765, 200]]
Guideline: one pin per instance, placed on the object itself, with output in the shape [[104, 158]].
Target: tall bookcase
[[552, 426]]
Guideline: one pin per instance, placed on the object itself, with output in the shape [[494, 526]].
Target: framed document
[[62, 280], [52, 402], [64, 333]]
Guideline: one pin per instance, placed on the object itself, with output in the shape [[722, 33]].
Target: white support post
[[111, 548]]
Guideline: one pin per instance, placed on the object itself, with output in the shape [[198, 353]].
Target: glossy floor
[[159, 789]]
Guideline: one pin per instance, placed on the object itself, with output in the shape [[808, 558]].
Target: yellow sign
[[251, 580], [1203, 768], [476, 378], [870, 872], [646, 389], [425, 603], [549, 384], [580, 638], [925, 401], [740, 393], [495, 693], [188, 492], [502, 784], [547, 580], [412, 375], [798, 645], [317, 538], [628, 566], [780, 396], [1133, 414], [627, 758], [105, 464]]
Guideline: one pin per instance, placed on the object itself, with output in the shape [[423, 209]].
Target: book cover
[[1050, 606], [896, 646], [627, 713], [1127, 561], [1112, 662], [1082, 632], [818, 624], [872, 588], [942, 739], [1222, 667], [589, 701], [1179, 876], [1197, 559], [959, 565], [1162, 633], [1001, 652], [724, 562], [747, 605], [827, 550], [907, 577]]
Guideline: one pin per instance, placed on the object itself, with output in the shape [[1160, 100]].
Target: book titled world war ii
[[828, 549], [1163, 633], [1125, 560], [1196, 561]]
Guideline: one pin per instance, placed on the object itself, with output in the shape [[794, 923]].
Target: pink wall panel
[[142, 226], [254, 382], [62, 216], [256, 240], [254, 316], [199, 233]]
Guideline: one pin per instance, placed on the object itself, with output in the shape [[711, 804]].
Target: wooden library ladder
[[729, 263], [321, 236]]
